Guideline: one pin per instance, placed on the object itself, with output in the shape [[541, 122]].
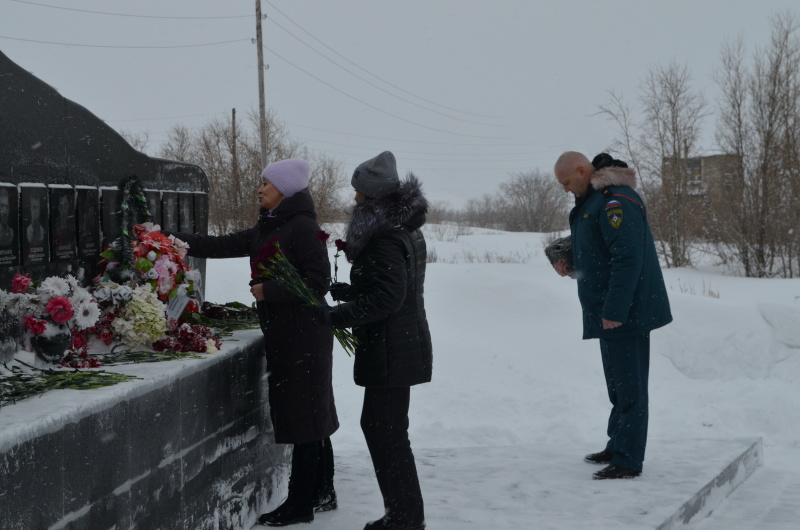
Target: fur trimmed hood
[[405, 206], [613, 176]]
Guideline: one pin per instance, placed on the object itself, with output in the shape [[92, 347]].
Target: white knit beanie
[[288, 176]]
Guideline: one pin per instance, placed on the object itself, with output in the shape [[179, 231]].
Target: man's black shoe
[[615, 471], [384, 523], [285, 515], [603, 457]]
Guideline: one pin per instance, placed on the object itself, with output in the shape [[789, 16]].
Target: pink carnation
[[20, 284]]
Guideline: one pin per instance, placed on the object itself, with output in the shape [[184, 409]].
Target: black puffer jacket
[[386, 308], [298, 346]]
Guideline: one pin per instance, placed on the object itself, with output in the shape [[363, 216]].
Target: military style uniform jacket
[[615, 260]]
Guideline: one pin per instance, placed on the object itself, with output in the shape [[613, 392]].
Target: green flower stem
[[21, 385]]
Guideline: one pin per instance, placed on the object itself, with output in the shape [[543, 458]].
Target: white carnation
[[53, 286]]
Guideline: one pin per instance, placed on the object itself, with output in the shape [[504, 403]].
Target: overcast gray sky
[[462, 91]]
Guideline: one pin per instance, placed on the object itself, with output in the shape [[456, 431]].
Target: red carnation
[[107, 336], [341, 246], [60, 309], [20, 284], [323, 236], [139, 231], [35, 326]]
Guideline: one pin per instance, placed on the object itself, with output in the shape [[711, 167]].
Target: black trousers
[[626, 363], [384, 420], [311, 478]]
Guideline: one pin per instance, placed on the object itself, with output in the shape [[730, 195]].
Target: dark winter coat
[[615, 260], [298, 346], [386, 308]]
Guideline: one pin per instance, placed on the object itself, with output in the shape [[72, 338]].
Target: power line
[[127, 14], [471, 144], [375, 107], [125, 47], [169, 117], [373, 75], [376, 86], [526, 155]]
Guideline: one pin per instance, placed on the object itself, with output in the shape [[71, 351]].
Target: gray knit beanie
[[288, 176], [377, 176]]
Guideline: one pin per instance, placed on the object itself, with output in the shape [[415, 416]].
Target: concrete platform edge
[[704, 502]]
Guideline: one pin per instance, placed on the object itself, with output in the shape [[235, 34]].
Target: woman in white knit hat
[[298, 345]]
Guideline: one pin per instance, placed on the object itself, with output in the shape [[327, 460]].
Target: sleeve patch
[[613, 204], [614, 217]]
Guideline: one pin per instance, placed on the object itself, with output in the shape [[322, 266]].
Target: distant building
[[705, 174], [707, 188]]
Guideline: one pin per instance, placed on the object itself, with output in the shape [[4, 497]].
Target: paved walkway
[[496, 488]]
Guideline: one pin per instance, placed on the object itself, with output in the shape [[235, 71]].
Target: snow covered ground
[[511, 375]]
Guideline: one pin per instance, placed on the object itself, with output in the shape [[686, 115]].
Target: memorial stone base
[[188, 446]]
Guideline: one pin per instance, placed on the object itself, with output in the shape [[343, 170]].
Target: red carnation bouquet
[[273, 264]]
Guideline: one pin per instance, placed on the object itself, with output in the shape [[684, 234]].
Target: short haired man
[[622, 295]]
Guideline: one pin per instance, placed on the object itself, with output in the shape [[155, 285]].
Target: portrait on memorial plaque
[[62, 201], [88, 213], [186, 209], [154, 204], [110, 215], [169, 214], [200, 213], [9, 240], [34, 220]]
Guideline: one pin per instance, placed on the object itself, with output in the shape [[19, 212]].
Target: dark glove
[[323, 314], [340, 291]]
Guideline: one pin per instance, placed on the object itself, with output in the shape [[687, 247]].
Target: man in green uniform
[[622, 294]]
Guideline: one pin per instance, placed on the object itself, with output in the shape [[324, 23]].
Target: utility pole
[[234, 160], [262, 112]]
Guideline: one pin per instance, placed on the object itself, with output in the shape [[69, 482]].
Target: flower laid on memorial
[[141, 320], [154, 259], [273, 264], [185, 337], [61, 301]]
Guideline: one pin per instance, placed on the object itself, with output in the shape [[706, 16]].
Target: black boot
[[298, 507], [603, 457], [324, 498], [385, 523], [614, 471]]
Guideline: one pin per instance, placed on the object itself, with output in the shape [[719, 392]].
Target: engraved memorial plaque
[[169, 211], [88, 214], [33, 202], [154, 204], [109, 200], [62, 227], [9, 226], [200, 213], [186, 209]]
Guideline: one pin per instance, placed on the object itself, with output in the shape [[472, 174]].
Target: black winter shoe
[[285, 515], [384, 523], [615, 471], [603, 457], [326, 503]]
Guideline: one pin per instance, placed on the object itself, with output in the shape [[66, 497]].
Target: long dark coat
[[386, 308], [298, 347], [615, 260]]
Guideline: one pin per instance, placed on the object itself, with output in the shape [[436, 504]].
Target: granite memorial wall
[[59, 170]]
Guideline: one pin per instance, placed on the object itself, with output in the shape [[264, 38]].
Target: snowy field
[[511, 373]]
